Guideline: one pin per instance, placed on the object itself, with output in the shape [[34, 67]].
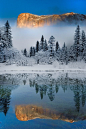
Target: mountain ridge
[[31, 20]]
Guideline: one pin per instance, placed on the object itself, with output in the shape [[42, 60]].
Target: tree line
[[76, 52], [42, 45]]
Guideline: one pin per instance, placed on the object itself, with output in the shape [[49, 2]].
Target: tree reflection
[[7, 84], [44, 84], [51, 86], [51, 94], [36, 88], [4, 100], [24, 82]]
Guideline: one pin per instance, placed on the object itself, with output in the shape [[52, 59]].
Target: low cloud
[[27, 37]]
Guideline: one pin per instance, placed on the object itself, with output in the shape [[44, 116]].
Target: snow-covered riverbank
[[38, 68]]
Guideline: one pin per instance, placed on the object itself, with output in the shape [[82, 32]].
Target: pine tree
[[45, 47], [1, 39], [84, 51], [37, 46], [30, 51], [77, 43], [58, 51], [41, 42], [64, 55], [83, 41], [51, 45], [25, 52], [71, 54], [83, 44], [33, 51], [8, 35], [57, 46]]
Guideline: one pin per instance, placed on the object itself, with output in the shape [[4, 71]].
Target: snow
[[55, 67], [22, 64]]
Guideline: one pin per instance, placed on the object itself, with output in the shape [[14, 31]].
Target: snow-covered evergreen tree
[[45, 46], [76, 45], [71, 54], [0, 42], [30, 51], [41, 42], [37, 46], [2, 39], [84, 51], [33, 51], [8, 35], [25, 52], [58, 51], [83, 43], [57, 46], [64, 55], [51, 43]]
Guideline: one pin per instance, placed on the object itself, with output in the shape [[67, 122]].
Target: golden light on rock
[[32, 21], [30, 112]]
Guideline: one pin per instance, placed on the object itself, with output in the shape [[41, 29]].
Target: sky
[[10, 9], [25, 38]]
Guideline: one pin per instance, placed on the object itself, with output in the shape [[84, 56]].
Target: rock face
[[30, 20]]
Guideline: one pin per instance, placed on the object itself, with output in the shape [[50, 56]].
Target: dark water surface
[[43, 101]]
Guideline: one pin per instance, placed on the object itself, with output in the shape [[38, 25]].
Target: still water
[[43, 101]]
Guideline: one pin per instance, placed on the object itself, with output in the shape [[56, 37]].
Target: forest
[[45, 51]]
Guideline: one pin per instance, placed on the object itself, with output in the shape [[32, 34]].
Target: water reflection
[[7, 84], [44, 84], [29, 112], [4, 99], [49, 85]]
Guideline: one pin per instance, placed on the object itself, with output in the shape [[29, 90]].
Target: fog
[[26, 37]]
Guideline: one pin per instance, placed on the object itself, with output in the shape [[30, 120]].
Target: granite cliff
[[31, 20]]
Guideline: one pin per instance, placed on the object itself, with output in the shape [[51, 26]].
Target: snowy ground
[[39, 68], [17, 63]]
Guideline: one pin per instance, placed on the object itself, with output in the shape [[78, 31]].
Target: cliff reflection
[[44, 84], [49, 85], [29, 112]]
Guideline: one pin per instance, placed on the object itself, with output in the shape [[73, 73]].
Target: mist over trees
[[64, 55], [46, 51]]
